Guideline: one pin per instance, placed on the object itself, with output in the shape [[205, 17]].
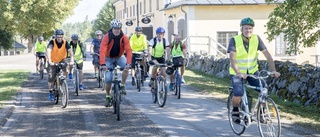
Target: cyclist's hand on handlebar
[[71, 63], [241, 75], [51, 63], [275, 74]]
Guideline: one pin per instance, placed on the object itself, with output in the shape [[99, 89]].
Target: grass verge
[[10, 82], [306, 116]]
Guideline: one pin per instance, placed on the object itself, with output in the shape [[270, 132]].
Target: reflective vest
[[138, 44], [41, 47], [58, 54], [246, 61], [176, 50], [159, 48], [78, 54]]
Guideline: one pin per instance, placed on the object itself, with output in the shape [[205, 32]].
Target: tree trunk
[[32, 39]]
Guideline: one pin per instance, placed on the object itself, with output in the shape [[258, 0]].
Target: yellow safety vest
[[246, 61], [78, 54], [176, 50], [138, 44]]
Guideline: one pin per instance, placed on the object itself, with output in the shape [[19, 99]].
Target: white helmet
[[116, 23], [98, 32]]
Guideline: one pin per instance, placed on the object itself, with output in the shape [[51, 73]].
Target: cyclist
[[158, 46], [112, 50], [178, 49], [138, 43], [79, 56], [40, 51], [95, 46], [243, 50], [57, 52]]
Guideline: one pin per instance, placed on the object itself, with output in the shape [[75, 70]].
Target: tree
[[83, 29], [105, 16], [6, 19], [35, 18], [298, 20]]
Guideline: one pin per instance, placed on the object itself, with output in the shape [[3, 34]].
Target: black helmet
[[138, 28], [169, 70], [59, 32], [74, 37], [40, 38]]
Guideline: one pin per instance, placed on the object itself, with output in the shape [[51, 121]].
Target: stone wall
[[300, 84]]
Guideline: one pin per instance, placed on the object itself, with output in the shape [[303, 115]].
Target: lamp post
[[137, 12]]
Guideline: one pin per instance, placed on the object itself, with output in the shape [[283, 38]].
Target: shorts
[[41, 55], [53, 71], [121, 62], [80, 66], [134, 56], [96, 60], [161, 60], [238, 83]]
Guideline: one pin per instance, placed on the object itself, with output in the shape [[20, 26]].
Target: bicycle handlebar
[[95, 54], [260, 76]]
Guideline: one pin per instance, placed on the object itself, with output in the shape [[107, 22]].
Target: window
[[140, 8], [130, 11], [127, 12], [223, 39], [157, 4], [150, 6], [144, 6], [124, 13], [134, 10], [281, 46]]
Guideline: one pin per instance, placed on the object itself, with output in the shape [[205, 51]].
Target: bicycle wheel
[[178, 86], [99, 77], [268, 119], [138, 79], [76, 81], [64, 94], [162, 92], [142, 78], [117, 101], [41, 69], [236, 128], [113, 100], [56, 92]]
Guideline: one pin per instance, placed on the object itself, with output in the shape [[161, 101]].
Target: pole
[[137, 12]]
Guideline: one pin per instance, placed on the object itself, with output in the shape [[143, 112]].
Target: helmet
[[53, 37], [138, 28], [169, 70], [74, 37], [247, 21], [160, 30], [98, 32], [59, 32], [40, 38], [115, 23]]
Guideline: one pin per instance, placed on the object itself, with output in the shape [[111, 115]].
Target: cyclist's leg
[[237, 84], [182, 68], [254, 82], [108, 78], [51, 77], [162, 69], [64, 67], [95, 63], [122, 61], [80, 68], [37, 61], [133, 65]]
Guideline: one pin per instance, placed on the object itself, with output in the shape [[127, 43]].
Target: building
[[17, 48], [207, 25]]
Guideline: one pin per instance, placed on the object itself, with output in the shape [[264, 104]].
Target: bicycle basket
[[177, 61]]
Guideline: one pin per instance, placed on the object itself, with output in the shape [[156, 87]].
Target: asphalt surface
[[195, 114]]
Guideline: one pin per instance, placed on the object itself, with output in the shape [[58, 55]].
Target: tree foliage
[[298, 20], [6, 39], [83, 29], [35, 18], [6, 29], [105, 16]]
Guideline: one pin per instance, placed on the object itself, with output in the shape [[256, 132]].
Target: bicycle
[[99, 78], [116, 97], [268, 116], [177, 78], [41, 68], [159, 89], [139, 73], [76, 81], [60, 86]]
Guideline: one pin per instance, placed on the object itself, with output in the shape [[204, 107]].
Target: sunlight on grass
[[10, 82], [218, 87]]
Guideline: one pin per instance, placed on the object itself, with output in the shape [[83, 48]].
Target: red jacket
[[105, 48]]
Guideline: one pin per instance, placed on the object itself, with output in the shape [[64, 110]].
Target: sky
[[84, 8]]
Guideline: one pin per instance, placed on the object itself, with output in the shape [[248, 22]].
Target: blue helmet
[[54, 36], [160, 30]]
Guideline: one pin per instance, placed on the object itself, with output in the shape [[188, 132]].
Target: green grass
[[302, 115], [10, 82]]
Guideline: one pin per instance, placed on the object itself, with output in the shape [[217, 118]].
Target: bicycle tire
[[113, 99], [162, 92], [178, 86], [64, 93], [142, 78], [154, 93], [117, 91], [236, 128], [56, 93], [76, 84], [41, 70], [138, 79], [265, 120], [99, 77]]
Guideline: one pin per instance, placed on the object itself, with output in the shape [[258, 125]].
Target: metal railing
[[205, 45]]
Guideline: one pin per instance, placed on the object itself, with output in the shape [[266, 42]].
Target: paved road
[[195, 114]]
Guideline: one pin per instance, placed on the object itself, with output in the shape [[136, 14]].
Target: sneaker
[[80, 87], [70, 75], [107, 103], [151, 83], [51, 98], [235, 116], [123, 88], [95, 75], [171, 87], [182, 80], [133, 81]]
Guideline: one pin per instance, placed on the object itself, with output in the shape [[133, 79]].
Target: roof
[[213, 2], [19, 45]]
